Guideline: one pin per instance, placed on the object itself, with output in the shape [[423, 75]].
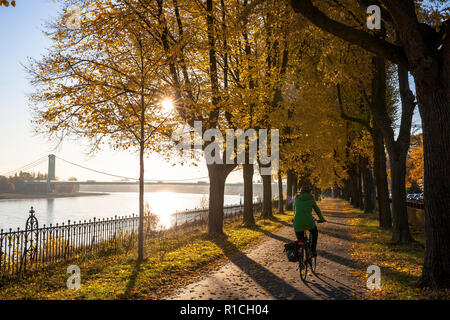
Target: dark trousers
[[315, 236]]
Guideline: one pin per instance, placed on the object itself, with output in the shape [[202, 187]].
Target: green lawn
[[169, 263]]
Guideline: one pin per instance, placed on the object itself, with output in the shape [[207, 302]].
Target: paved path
[[263, 271]]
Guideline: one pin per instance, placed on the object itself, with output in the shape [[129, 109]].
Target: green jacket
[[303, 219]]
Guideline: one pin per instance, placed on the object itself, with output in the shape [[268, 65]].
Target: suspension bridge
[[51, 175]]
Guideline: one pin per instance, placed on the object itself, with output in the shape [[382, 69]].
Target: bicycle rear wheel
[[302, 265]]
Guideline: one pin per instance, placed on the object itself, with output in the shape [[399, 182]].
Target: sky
[[21, 36]]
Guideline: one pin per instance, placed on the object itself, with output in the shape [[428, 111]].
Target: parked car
[[410, 196], [416, 196], [421, 196]]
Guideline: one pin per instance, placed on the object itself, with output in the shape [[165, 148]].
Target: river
[[14, 212]]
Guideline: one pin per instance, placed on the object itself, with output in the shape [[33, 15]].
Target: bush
[[6, 186], [153, 219]]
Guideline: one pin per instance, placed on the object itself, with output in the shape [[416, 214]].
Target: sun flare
[[167, 105]]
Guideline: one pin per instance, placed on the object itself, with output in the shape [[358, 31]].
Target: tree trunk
[[337, 192], [248, 168], [398, 151], [217, 176], [433, 97], [280, 192], [141, 183], [317, 194], [141, 205], [353, 175], [360, 184], [294, 184], [369, 189], [267, 196], [340, 193], [289, 190], [379, 156], [372, 191], [248, 195], [346, 190], [401, 233]]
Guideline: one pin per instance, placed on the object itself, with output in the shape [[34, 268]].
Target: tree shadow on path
[[339, 223], [338, 259], [338, 235], [272, 235], [331, 288], [271, 283], [330, 292]]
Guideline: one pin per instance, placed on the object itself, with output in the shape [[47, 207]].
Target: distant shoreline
[[13, 196]]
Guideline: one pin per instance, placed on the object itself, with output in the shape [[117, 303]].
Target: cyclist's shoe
[[313, 253]]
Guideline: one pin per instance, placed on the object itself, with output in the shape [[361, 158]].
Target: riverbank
[[230, 189], [170, 263], [11, 196]]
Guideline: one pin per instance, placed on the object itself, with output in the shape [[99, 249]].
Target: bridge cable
[[27, 166], [123, 177]]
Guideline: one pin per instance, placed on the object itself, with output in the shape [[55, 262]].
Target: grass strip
[[171, 262], [400, 264]]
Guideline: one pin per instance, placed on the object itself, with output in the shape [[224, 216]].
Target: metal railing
[[419, 204], [35, 247]]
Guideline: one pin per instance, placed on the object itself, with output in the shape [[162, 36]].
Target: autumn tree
[[195, 53], [239, 42], [314, 146], [254, 64], [423, 48], [414, 163], [352, 65], [347, 69], [102, 82]]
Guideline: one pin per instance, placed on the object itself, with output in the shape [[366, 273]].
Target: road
[[263, 272]]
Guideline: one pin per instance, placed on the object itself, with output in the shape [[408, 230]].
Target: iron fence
[[35, 247], [419, 204]]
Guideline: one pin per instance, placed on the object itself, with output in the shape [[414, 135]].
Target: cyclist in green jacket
[[303, 219]]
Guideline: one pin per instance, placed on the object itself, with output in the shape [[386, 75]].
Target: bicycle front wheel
[[313, 264]]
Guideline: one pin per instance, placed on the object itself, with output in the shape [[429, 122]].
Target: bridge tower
[[51, 171]]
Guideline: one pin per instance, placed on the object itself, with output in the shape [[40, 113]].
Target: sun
[[167, 105]]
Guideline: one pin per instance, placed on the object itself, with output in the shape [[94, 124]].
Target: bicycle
[[305, 257]]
